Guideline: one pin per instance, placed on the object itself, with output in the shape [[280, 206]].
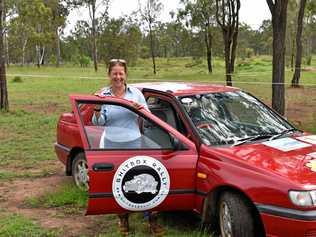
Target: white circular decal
[[140, 183]]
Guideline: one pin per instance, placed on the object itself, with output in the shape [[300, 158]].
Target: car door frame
[[177, 199]]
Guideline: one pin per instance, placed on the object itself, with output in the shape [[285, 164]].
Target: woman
[[117, 117], [119, 120]]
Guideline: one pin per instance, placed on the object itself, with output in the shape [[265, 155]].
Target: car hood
[[290, 158]]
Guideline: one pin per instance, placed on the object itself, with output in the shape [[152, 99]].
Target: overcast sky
[[252, 12]]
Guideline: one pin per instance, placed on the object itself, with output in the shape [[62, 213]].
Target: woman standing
[[119, 117]]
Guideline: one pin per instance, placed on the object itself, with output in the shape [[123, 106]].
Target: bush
[[249, 52], [84, 61], [309, 60], [17, 79]]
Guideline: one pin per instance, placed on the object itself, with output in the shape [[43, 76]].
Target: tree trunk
[[94, 48], [227, 61], [57, 42], [38, 55], [94, 37], [152, 49], [228, 19], [6, 45], [278, 91], [233, 51], [208, 44], [4, 103], [42, 54], [279, 15], [292, 55], [23, 51], [298, 59]]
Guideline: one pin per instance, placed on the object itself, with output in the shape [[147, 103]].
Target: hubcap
[[81, 176], [225, 220]]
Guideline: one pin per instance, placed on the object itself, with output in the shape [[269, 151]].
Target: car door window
[[117, 127], [166, 112]]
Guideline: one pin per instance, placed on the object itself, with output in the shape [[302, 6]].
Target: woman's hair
[[115, 62]]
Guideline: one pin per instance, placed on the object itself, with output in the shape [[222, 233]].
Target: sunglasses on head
[[117, 61]]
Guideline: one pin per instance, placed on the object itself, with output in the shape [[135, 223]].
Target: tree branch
[[271, 5]]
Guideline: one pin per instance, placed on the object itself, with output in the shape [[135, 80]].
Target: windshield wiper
[[252, 138], [284, 132]]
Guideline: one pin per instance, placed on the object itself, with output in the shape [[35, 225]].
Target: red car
[[212, 149]]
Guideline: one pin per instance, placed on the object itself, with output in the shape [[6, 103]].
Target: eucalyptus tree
[[98, 12], [31, 27], [18, 35], [121, 38], [200, 14], [290, 33], [278, 9], [227, 16], [149, 13], [298, 56], [178, 39], [310, 31], [247, 41], [265, 37], [8, 13], [59, 13], [4, 103], [80, 40]]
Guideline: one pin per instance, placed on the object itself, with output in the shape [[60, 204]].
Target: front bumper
[[284, 222]]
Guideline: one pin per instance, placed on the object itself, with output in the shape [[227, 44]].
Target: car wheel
[[235, 218], [80, 171]]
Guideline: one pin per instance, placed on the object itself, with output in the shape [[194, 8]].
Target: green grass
[[13, 225], [67, 197], [11, 175], [176, 224]]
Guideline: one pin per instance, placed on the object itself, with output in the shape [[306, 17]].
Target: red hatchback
[[212, 149]]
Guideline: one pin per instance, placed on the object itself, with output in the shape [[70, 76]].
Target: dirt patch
[[309, 69], [5, 134], [49, 108], [301, 105], [14, 193]]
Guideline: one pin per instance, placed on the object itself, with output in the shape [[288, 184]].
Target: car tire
[[79, 170], [235, 218]]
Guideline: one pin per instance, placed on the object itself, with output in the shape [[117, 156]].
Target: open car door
[[156, 173]]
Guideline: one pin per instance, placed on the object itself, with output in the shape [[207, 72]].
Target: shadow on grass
[[185, 223]]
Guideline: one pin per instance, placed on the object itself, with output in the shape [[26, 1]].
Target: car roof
[[184, 88]]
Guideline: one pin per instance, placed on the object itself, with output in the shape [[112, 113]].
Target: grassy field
[[27, 133]]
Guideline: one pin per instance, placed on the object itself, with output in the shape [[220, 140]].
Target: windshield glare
[[228, 117]]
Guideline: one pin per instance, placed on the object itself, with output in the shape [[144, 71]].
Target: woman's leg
[[123, 223], [154, 227]]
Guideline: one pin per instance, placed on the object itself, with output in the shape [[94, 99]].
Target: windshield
[[229, 117]]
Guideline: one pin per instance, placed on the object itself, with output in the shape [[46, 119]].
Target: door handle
[[103, 167]]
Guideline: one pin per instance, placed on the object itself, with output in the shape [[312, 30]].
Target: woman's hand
[[137, 106]]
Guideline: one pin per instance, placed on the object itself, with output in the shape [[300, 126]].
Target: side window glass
[[165, 111], [109, 127]]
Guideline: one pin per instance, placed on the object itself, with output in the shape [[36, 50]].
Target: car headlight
[[303, 198]]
